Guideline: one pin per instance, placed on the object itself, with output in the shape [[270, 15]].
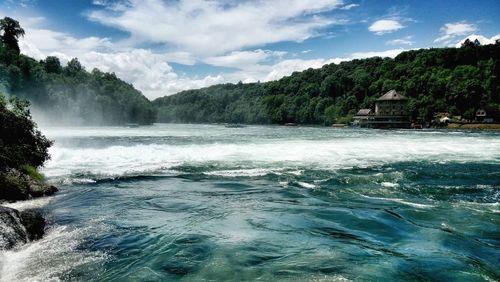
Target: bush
[[21, 143]]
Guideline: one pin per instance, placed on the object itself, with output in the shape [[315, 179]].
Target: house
[[391, 104], [483, 116], [362, 116], [390, 112]]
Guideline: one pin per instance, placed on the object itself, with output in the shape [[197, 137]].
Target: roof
[[363, 112], [392, 96]]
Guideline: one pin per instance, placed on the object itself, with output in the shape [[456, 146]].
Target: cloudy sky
[[166, 46]]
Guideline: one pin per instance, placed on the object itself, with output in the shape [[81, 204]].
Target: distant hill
[[454, 80], [69, 94]]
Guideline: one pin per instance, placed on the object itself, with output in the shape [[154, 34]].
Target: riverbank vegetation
[[454, 80], [23, 149]]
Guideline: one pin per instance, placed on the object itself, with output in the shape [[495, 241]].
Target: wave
[[261, 158]]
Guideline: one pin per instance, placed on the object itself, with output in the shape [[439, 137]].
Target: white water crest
[[29, 204], [254, 154]]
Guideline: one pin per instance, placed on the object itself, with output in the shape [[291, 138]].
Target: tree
[[53, 65], [20, 141], [469, 43], [73, 67], [11, 33]]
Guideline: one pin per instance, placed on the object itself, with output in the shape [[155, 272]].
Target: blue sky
[[166, 46]]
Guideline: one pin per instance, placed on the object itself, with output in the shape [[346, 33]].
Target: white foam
[[292, 153], [401, 201], [306, 185], [243, 172], [478, 207], [29, 204], [46, 259], [78, 181], [389, 184]]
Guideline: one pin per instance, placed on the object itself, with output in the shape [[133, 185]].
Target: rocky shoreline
[[19, 227]]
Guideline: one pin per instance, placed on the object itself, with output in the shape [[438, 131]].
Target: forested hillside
[[454, 80], [68, 94]]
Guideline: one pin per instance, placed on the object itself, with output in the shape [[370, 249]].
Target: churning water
[[209, 203]]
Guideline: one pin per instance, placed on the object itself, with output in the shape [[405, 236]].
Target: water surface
[[209, 203]]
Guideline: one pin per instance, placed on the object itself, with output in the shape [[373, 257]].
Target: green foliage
[[455, 80], [69, 94], [21, 144], [32, 171], [52, 65]]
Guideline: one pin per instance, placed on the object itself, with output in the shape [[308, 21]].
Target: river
[[184, 202]]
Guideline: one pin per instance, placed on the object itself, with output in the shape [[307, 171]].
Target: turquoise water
[[209, 203]]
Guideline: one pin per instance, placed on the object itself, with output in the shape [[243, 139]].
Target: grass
[[33, 172]]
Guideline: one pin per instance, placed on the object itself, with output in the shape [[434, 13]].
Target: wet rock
[[19, 227], [40, 189], [19, 186], [12, 231], [34, 223]]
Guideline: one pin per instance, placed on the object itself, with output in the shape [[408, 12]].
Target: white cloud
[[39, 42], [100, 2], [210, 28], [482, 39], [452, 30], [349, 6], [407, 40], [384, 54], [385, 26], [243, 59]]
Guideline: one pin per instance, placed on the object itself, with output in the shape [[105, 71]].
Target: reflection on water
[[204, 202]]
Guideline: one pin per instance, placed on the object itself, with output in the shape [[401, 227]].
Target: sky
[[165, 46]]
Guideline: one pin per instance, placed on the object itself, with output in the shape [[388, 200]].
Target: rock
[[13, 186], [34, 223], [19, 227], [12, 231], [19, 186], [40, 189]]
